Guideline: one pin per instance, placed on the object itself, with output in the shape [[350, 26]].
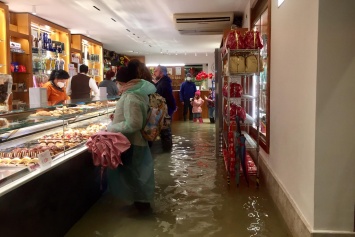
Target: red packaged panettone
[[252, 40], [234, 111], [234, 40], [236, 90]]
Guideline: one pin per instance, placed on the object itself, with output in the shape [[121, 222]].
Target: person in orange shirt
[[56, 86]]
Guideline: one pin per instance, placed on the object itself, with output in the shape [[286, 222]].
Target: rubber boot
[[200, 120], [195, 120], [166, 139]]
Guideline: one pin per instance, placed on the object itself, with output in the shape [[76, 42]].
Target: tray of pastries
[[56, 143], [56, 113]]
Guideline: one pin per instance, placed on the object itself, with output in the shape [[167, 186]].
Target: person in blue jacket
[[187, 91]]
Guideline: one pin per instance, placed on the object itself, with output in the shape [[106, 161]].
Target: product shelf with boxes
[[85, 50], [239, 92], [37, 47]]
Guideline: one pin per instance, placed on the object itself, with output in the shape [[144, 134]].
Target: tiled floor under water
[[192, 198]]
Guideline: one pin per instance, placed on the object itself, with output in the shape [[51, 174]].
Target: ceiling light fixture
[[97, 8], [113, 19], [34, 12], [206, 54], [161, 51], [128, 30], [195, 54], [185, 53]]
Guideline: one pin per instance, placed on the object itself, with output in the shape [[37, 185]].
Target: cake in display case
[[58, 131]]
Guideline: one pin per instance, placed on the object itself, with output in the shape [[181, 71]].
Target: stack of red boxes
[[251, 167], [231, 151]]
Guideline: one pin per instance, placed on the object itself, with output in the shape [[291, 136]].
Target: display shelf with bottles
[[239, 92], [91, 54], [37, 47]]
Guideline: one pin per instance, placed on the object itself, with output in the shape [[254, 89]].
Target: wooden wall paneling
[[4, 39]]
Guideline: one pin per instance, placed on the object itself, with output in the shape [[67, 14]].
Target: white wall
[[185, 59], [246, 15], [335, 119], [206, 61], [293, 100]]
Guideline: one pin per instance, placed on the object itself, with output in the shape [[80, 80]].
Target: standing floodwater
[[192, 197]]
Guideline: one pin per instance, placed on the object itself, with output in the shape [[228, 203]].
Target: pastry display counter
[[49, 195]]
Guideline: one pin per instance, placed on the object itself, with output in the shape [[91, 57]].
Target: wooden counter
[[178, 115]]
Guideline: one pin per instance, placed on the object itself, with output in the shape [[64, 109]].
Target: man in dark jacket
[[187, 91], [164, 88]]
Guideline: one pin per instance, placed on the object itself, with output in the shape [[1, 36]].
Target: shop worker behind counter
[[56, 86], [80, 86]]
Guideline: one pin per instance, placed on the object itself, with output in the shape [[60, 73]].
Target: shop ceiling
[[131, 27]]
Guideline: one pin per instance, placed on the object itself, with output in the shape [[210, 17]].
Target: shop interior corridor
[[192, 197]]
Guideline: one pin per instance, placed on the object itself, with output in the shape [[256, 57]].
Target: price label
[[45, 159], [32, 167]]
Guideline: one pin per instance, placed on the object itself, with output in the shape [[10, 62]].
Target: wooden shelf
[[21, 28], [4, 39], [72, 50], [93, 47], [18, 35]]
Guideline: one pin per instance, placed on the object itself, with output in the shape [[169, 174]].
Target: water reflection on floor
[[192, 198]]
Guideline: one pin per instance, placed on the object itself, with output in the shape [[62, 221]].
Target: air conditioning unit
[[203, 23]]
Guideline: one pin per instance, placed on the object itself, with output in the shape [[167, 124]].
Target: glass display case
[[34, 140]]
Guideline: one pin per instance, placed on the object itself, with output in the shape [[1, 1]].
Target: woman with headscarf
[[56, 86], [134, 180]]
